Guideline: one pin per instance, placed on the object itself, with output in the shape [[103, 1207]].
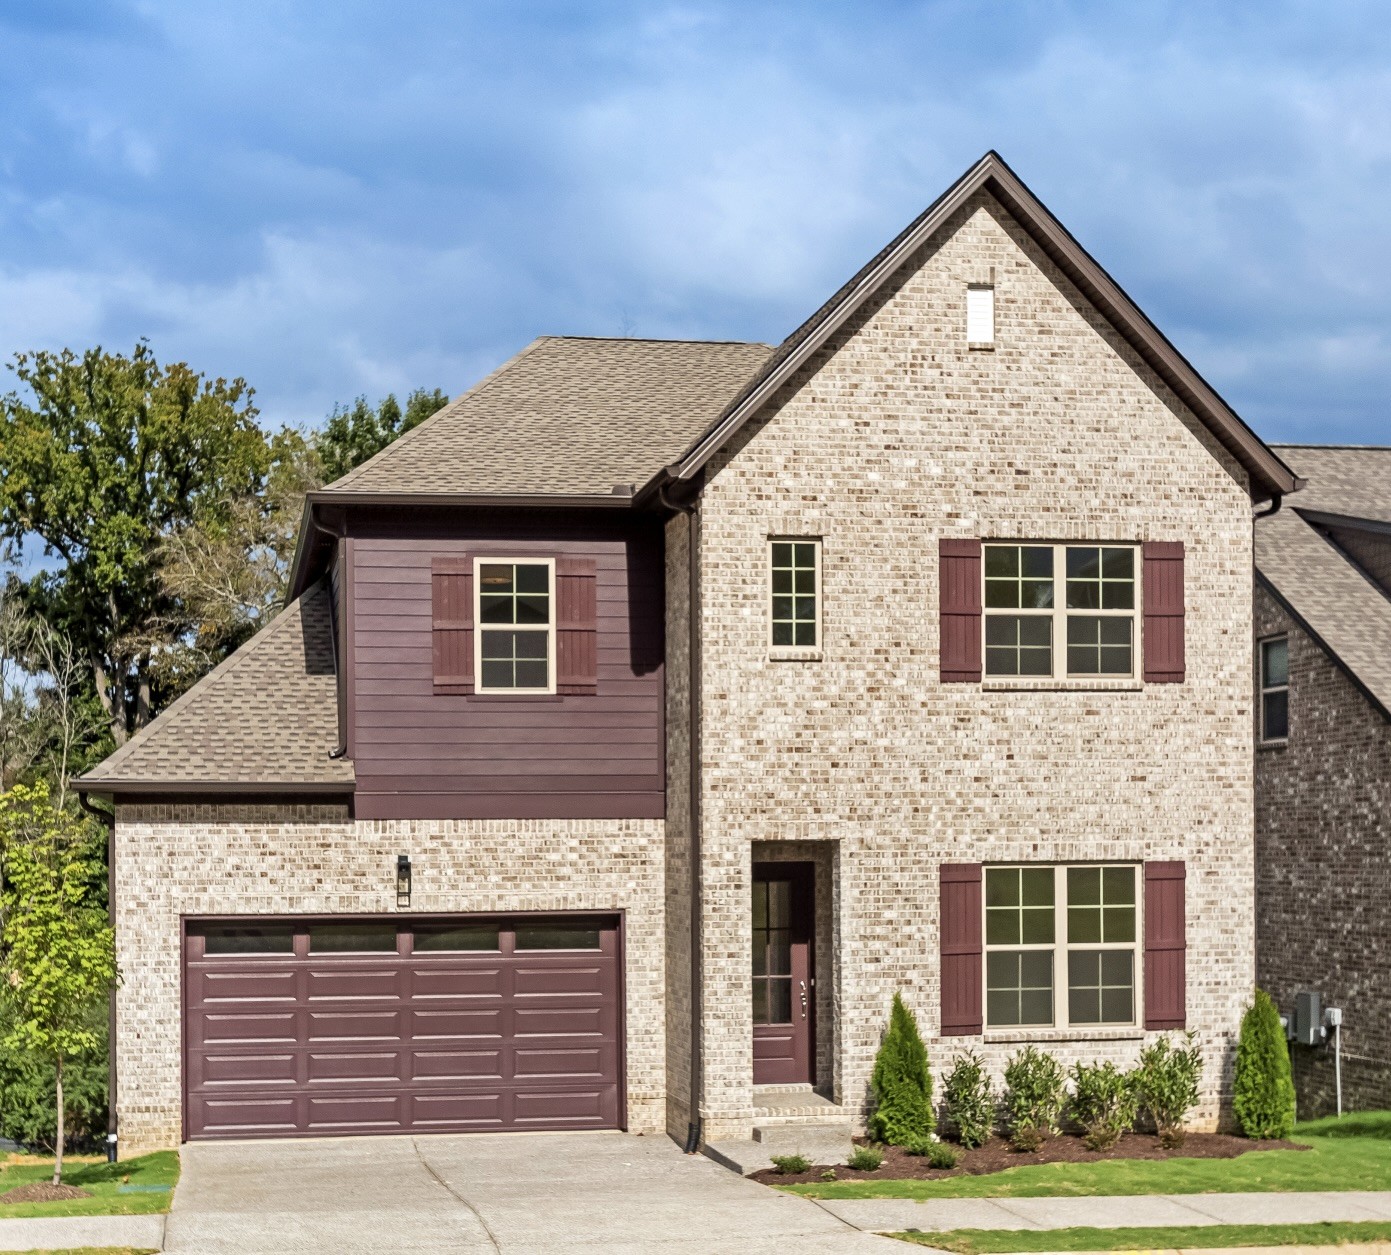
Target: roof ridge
[[1363, 448], [383, 454], [293, 612], [759, 344]]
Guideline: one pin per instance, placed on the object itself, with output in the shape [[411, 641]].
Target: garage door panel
[[323, 1043]]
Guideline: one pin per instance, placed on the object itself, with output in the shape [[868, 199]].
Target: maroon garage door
[[379, 1026]]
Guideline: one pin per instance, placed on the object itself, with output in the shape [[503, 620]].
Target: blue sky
[[333, 199]]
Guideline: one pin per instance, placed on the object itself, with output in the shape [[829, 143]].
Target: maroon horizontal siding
[[593, 753]]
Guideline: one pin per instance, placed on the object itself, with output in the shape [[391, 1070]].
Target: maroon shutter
[[958, 574], [959, 938], [1166, 994], [576, 621], [1163, 592], [451, 623]]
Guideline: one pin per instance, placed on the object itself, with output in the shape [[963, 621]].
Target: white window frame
[[1058, 614], [794, 651], [1060, 948], [479, 627], [1264, 688], [980, 315]]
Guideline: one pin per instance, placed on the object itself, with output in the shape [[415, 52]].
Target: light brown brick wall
[[894, 436], [192, 860], [1323, 841]]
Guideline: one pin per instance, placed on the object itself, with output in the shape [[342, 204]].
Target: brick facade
[[894, 435], [1323, 833], [191, 860]]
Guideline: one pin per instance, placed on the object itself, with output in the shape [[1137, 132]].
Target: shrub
[[790, 1165], [1263, 1091], [940, 1155], [828, 1174], [1034, 1095], [1167, 1079], [969, 1099], [27, 1113], [865, 1159], [901, 1082], [1104, 1102]]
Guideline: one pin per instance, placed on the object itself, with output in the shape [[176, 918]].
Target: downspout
[[693, 1130], [1274, 508], [108, 819]]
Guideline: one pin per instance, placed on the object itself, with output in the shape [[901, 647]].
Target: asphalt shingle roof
[[267, 716], [1344, 608], [567, 416]]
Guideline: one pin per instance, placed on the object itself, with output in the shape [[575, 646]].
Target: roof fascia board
[[1352, 522], [991, 172], [221, 788]]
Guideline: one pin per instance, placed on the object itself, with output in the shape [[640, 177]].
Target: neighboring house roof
[[266, 717], [1314, 577], [567, 417]]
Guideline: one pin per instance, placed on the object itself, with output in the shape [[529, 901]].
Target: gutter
[[693, 1127]]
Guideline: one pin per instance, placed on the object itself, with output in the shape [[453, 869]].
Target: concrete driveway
[[528, 1194]]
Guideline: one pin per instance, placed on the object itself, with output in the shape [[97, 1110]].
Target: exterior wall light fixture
[[403, 880]]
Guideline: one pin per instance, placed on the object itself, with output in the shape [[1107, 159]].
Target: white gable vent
[[980, 315]]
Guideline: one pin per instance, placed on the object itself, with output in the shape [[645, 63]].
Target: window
[[364, 938], [1089, 631], [557, 937], [1044, 924], [794, 590], [468, 937], [271, 939], [980, 315], [1275, 689], [515, 641]]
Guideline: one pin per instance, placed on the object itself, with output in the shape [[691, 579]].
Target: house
[[648, 717], [1323, 766]]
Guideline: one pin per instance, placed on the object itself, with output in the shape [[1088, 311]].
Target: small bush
[[940, 1155], [1034, 1094], [1167, 1080], [901, 1082], [1104, 1102], [790, 1165], [1263, 1091], [865, 1159], [829, 1174], [969, 1100]]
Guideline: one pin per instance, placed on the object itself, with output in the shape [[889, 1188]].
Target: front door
[[782, 915]]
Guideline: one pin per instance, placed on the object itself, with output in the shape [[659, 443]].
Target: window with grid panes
[[794, 589], [514, 622], [1275, 689]]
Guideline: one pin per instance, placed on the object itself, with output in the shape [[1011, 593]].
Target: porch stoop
[[788, 1120]]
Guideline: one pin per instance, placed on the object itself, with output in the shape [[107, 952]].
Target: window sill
[[980, 348], [1282, 744], [1003, 1035], [794, 655], [1016, 684], [513, 697]]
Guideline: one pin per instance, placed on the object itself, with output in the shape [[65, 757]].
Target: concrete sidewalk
[[875, 1215], [57, 1233]]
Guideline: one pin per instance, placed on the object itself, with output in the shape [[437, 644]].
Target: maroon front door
[[782, 915]]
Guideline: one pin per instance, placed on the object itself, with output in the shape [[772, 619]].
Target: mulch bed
[[996, 1155], [43, 1192]]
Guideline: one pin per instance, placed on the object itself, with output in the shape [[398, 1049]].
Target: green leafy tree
[[356, 432], [59, 949], [902, 1083], [102, 458], [1263, 1090]]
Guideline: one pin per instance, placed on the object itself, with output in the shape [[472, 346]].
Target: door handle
[[803, 986]]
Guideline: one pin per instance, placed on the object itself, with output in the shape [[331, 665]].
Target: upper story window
[[980, 316], [1046, 925], [515, 617], [794, 594], [1275, 689], [1035, 629]]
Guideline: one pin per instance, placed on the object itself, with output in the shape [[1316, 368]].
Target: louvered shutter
[[959, 941], [959, 581], [451, 623], [1163, 626], [1166, 992], [576, 642]]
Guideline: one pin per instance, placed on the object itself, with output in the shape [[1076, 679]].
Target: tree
[[355, 433], [103, 459], [902, 1083], [1262, 1089], [59, 949]]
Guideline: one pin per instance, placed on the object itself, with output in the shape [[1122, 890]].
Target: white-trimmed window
[[1088, 631], [1061, 946], [980, 315], [515, 617], [794, 593], [1275, 688]]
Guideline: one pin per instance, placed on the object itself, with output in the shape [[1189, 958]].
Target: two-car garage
[[314, 1027]]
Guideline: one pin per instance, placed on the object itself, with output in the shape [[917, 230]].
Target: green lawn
[[95, 1250], [1354, 1154], [990, 1241], [105, 1182]]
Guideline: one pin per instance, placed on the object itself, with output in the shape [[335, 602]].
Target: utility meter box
[[1308, 1019]]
